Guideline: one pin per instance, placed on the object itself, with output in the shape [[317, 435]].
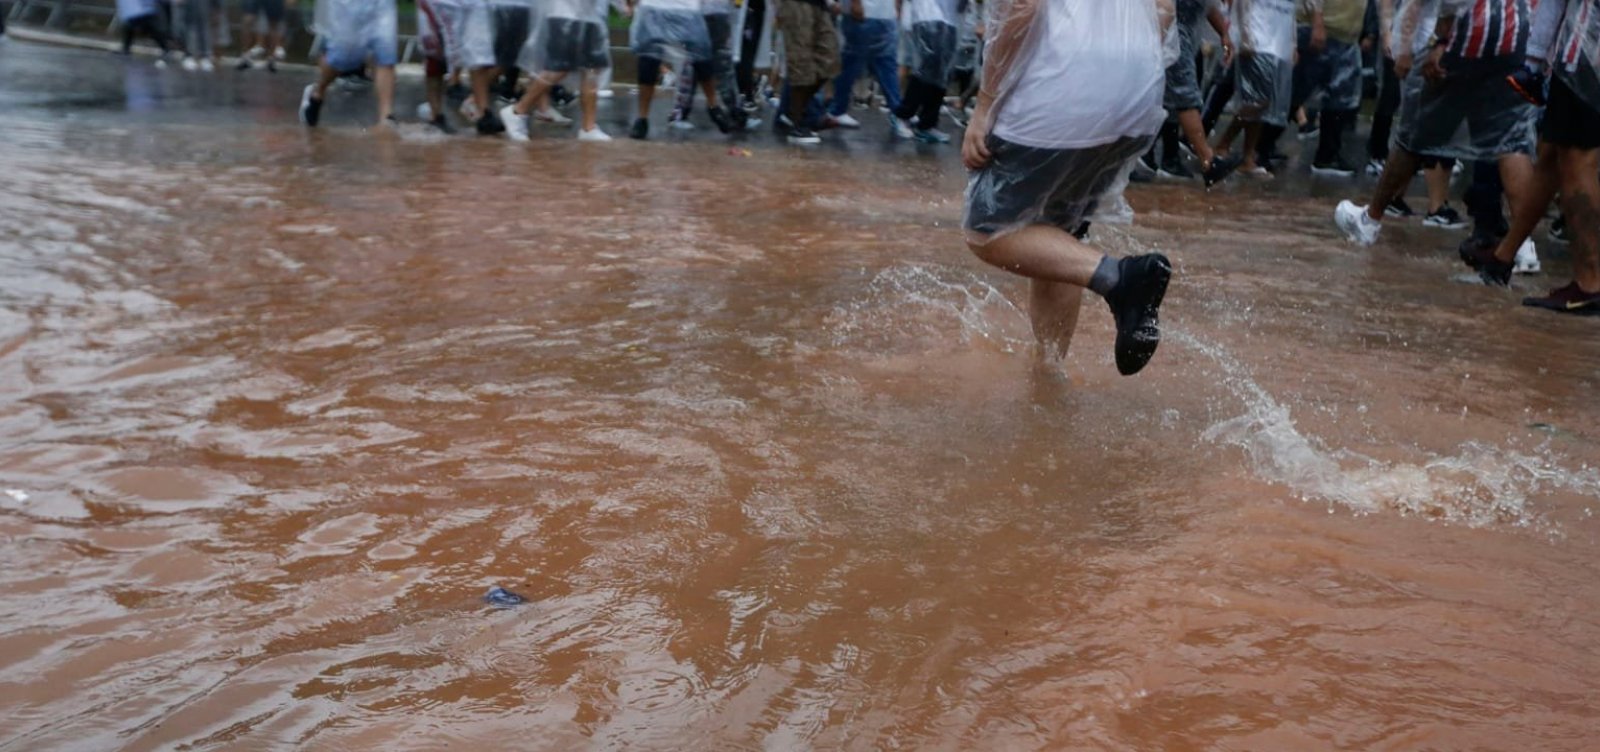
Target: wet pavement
[[762, 446]]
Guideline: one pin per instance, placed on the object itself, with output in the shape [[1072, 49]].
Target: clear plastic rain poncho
[[665, 29], [567, 36], [931, 35], [348, 27], [1575, 58], [458, 32], [1469, 115], [127, 10], [1079, 99]]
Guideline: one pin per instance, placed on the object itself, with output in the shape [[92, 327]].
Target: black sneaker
[[272, 65], [1570, 299], [457, 93], [1398, 209], [489, 124], [640, 130], [1175, 169], [781, 125], [803, 136], [443, 124], [1220, 169], [719, 116], [1530, 84], [1558, 229], [1338, 167], [310, 108], [1446, 217], [242, 65], [1477, 252], [1135, 304]]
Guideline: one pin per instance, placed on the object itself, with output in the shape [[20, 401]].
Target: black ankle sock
[[1106, 276]]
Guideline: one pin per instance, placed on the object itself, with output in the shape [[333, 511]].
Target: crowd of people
[[1061, 102]]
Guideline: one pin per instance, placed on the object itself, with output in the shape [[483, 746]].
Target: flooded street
[[762, 445]]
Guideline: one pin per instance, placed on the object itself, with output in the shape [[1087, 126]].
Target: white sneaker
[[425, 112], [682, 125], [1374, 168], [846, 121], [516, 125], [190, 65], [1357, 227], [256, 53], [901, 128], [280, 54], [206, 66], [161, 62], [1527, 261], [551, 115], [596, 135], [469, 110], [605, 94]]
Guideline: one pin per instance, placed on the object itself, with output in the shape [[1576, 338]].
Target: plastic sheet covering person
[[356, 30]]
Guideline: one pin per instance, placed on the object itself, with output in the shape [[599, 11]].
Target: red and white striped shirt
[[1491, 28]]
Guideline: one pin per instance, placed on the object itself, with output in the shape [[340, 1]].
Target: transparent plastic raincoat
[[353, 30], [1078, 100], [931, 37], [459, 32], [567, 36], [1575, 58], [666, 28]]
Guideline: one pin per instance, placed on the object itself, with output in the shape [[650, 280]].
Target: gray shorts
[[272, 10], [1025, 185], [1470, 115], [1265, 82]]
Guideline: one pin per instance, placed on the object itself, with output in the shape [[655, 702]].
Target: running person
[[455, 35], [569, 37], [356, 31], [1569, 160], [1042, 162]]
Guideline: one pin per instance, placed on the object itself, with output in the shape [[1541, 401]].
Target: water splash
[[1479, 485], [911, 305]]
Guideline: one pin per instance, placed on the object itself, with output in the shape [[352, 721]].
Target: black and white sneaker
[[1336, 168], [640, 130], [310, 107], [1220, 169], [720, 117], [1135, 304], [1398, 209], [1446, 217], [1175, 169], [803, 136], [1558, 229]]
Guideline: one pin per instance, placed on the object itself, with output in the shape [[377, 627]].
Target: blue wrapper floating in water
[[500, 597]]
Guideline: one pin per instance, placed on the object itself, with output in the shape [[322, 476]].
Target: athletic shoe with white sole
[[310, 108], [1353, 221], [1445, 217], [1527, 261], [516, 125], [551, 116], [595, 136], [846, 121]]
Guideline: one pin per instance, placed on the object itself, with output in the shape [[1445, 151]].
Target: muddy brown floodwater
[[765, 450]]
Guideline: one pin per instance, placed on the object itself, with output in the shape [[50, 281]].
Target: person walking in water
[[356, 31], [1071, 96]]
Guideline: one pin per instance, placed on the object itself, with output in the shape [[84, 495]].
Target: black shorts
[[1026, 185], [273, 10], [1568, 120], [573, 45]]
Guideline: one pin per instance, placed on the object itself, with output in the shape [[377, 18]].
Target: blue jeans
[[870, 42]]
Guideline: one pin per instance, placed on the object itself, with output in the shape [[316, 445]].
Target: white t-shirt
[[925, 11], [583, 10], [1427, 21], [881, 9], [1271, 26], [1094, 76]]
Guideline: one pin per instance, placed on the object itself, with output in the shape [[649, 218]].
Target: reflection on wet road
[[762, 446]]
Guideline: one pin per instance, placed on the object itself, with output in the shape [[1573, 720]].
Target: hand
[[1319, 38], [975, 143], [1432, 69], [1402, 65]]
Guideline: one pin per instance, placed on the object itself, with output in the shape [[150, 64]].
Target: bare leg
[[325, 78], [1438, 181], [588, 101], [1189, 120], [1580, 203], [1528, 207], [384, 84], [247, 35], [538, 87], [709, 88], [1397, 173], [482, 78], [433, 88], [1041, 252], [1252, 139], [1053, 308], [646, 94], [1516, 174]]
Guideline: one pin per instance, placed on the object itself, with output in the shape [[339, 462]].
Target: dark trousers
[[149, 26], [754, 18], [1383, 115], [1483, 199], [921, 101]]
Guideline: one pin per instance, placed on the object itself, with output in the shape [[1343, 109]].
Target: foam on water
[[924, 298], [1480, 484]]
